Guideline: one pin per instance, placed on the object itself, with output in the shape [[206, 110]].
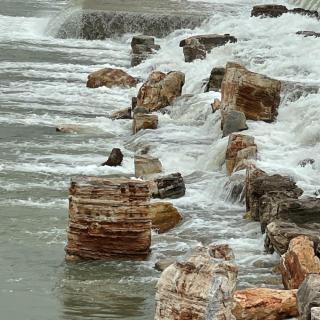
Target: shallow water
[[42, 83]]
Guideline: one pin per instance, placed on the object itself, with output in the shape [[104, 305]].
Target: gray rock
[[194, 50], [234, 121], [268, 10], [215, 80], [121, 114], [171, 186], [162, 264], [115, 158], [142, 47]]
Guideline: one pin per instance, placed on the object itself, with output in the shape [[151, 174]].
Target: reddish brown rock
[[265, 304], [142, 47], [164, 216], [109, 77], [200, 288], [299, 261], [257, 96], [235, 150], [108, 219], [160, 90], [194, 50], [115, 158], [143, 121]]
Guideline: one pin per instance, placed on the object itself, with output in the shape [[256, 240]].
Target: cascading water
[[42, 81]]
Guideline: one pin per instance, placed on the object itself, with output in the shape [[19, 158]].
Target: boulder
[[305, 12], [268, 10], [210, 41], [237, 142], [144, 122], [257, 96], [109, 77], [199, 288], [265, 304], [115, 158], [121, 114], [142, 47], [160, 90], [170, 186], [308, 296], [299, 261], [109, 218], [280, 233], [215, 80], [194, 50], [234, 121], [163, 264], [164, 216], [309, 34], [145, 165], [315, 313]]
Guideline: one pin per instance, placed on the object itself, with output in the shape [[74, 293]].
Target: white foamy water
[[42, 82]]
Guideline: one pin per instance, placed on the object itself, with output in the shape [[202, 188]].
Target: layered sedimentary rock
[[160, 90], [200, 288], [142, 47], [256, 95], [194, 50], [280, 233], [309, 296], [170, 186], [109, 77], [215, 80], [265, 304], [108, 219], [144, 122], [299, 261], [145, 165], [164, 216], [115, 158], [239, 143]]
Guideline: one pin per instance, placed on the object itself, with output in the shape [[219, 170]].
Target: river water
[[42, 83]]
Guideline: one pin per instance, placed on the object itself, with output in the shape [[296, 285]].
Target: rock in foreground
[[269, 10]]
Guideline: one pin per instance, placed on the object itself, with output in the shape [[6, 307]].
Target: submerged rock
[[110, 77], [163, 264], [121, 114], [309, 34], [202, 287], [115, 158], [68, 128], [144, 122], [171, 186], [145, 165], [305, 162], [265, 304], [215, 80]]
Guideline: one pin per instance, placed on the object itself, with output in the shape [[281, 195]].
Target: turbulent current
[[42, 85]]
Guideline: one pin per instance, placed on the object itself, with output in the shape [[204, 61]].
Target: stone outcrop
[[309, 296], [109, 77], [236, 144], [234, 121], [122, 114], [216, 105], [164, 216], [145, 165], [215, 80], [143, 121], [115, 158], [280, 233], [265, 304], [200, 288], [170, 186], [194, 50], [269, 10], [160, 90], [108, 219], [299, 261], [256, 95], [309, 34], [142, 47]]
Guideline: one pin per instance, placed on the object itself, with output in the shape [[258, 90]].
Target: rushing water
[[42, 83]]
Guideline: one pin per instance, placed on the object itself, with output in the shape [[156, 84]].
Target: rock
[[109, 77], [144, 122], [160, 90], [265, 304], [299, 261], [202, 287], [210, 41], [309, 296], [216, 105], [109, 218], [215, 80], [115, 158], [257, 96], [134, 101], [140, 110], [171, 186], [315, 313], [142, 47], [145, 165], [194, 50], [121, 114], [234, 121], [69, 128], [280, 233], [245, 157], [309, 34], [304, 12], [164, 216], [237, 142], [268, 10], [163, 264], [305, 162]]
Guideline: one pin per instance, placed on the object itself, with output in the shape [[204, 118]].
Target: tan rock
[[160, 90], [200, 288], [216, 105], [257, 96], [299, 261], [265, 304], [238, 142], [109, 77], [164, 216], [145, 165], [144, 121]]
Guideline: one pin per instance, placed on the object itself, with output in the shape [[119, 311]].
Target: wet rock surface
[[268, 10], [146, 165], [170, 186], [115, 158], [194, 50], [215, 80]]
